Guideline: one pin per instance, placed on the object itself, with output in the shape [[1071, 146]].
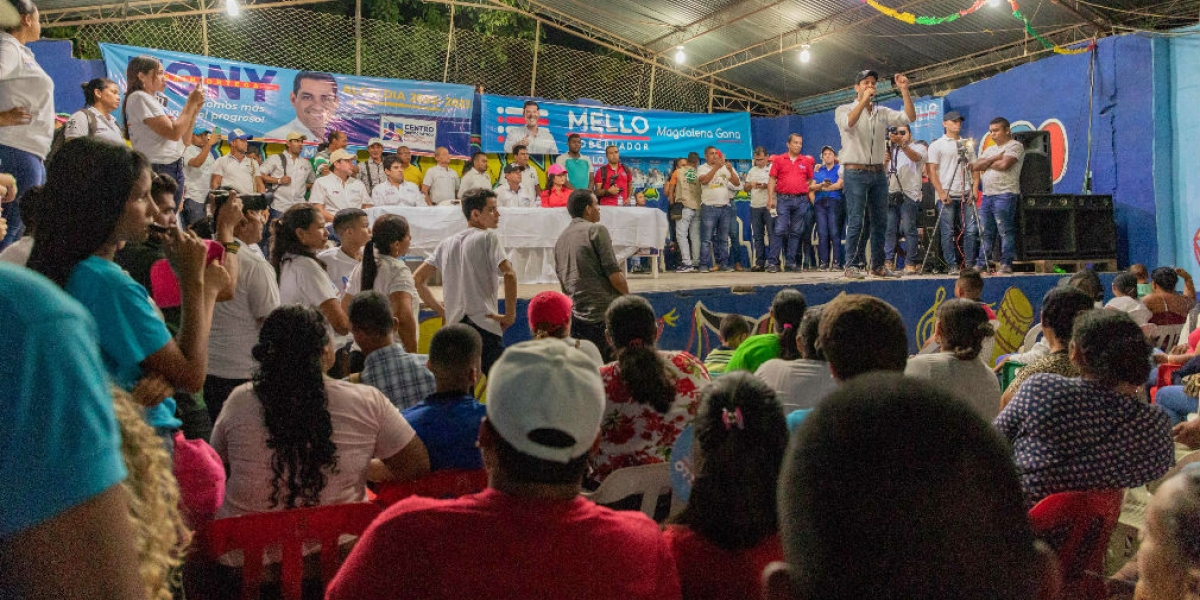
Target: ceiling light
[[232, 9], [679, 55], [995, 3], [805, 54]]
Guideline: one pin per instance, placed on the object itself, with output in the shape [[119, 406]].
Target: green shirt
[[756, 350]]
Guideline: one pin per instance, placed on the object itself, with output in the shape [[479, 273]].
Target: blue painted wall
[[1179, 124]]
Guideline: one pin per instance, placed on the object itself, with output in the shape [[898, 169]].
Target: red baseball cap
[[549, 308]]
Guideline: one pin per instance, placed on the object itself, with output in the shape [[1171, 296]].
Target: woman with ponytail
[[293, 438], [299, 234], [962, 326], [101, 97], [787, 309], [382, 270], [651, 394], [150, 129], [729, 531]]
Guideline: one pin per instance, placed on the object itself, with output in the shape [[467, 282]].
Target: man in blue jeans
[[787, 195], [999, 167], [718, 181], [864, 128], [954, 186], [906, 163]]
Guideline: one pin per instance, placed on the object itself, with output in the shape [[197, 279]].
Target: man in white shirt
[[1000, 173], [718, 181], [905, 165], [537, 139], [338, 189], [578, 166], [371, 171], [510, 193], [353, 231], [198, 161], [396, 190], [863, 127], [529, 176], [440, 184], [236, 169], [288, 173], [470, 262], [315, 99], [954, 185], [477, 178], [762, 224]]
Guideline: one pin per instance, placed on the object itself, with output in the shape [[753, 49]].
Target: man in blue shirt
[[448, 420]]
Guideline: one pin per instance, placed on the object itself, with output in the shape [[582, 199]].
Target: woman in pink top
[[729, 531], [651, 395], [555, 196]]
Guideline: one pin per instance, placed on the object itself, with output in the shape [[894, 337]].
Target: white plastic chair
[[1167, 336], [1031, 338], [649, 481]]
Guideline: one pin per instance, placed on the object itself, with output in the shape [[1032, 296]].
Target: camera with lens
[[893, 131], [965, 149]]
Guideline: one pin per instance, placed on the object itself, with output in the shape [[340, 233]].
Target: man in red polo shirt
[[787, 195], [613, 180]]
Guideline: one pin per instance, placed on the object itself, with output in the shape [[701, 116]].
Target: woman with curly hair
[[651, 394], [729, 531], [292, 437]]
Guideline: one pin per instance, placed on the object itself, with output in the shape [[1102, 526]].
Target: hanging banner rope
[[912, 19]]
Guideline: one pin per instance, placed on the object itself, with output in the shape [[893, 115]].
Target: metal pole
[[711, 90], [537, 44], [449, 46], [204, 27], [358, 37], [653, 71]]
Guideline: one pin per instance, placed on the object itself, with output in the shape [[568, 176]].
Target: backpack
[[60, 136]]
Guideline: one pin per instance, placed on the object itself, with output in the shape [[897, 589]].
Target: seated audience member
[[388, 367], [962, 326], [382, 270], [787, 308], [734, 330], [1176, 401], [530, 534], [1060, 307], [353, 230], [1143, 279], [510, 191], [80, 229], [448, 419], [802, 383], [969, 286], [1125, 298], [558, 190], [859, 334], [1169, 555], [62, 500], [651, 394], [1166, 306], [29, 204], [550, 317], [729, 532], [236, 322], [1092, 432], [310, 437], [1089, 282], [396, 191], [299, 234], [866, 513], [339, 189]]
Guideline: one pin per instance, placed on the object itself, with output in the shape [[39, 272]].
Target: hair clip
[[636, 343], [733, 417], [787, 326]]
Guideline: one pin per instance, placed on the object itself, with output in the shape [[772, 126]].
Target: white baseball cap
[[546, 399]]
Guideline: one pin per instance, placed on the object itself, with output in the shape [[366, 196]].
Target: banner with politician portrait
[[543, 127], [269, 102]]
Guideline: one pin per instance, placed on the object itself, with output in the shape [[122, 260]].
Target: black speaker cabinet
[[1036, 175], [1095, 227], [1065, 227]]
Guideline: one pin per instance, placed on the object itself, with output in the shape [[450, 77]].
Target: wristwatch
[[231, 247]]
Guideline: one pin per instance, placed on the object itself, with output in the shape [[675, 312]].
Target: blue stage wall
[[1177, 60]]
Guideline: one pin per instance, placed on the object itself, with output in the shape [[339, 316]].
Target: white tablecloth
[[529, 234]]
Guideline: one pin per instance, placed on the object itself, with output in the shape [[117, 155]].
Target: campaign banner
[[506, 122], [269, 102], [928, 125]]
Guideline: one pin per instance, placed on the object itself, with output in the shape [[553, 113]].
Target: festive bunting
[[911, 19]]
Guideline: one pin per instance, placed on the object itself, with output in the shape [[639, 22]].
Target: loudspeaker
[[1036, 174], [1095, 227], [1046, 227]]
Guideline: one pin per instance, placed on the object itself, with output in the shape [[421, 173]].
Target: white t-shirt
[[197, 179], [443, 184], [106, 129], [474, 180], [391, 276], [718, 191], [338, 266], [235, 323], [1003, 182], [588, 348], [1137, 311], [954, 178], [540, 143], [758, 198], [907, 177], [365, 424], [24, 83], [800, 383], [237, 174], [303, 281], [140, 106], [529, 181], [299, 169], [969, 380], [866, 142], [507, 198], [336, 195], [405, 194], [470, 265]]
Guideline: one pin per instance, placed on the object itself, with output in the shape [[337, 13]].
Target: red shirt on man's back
[[493, 545], [792, 176]]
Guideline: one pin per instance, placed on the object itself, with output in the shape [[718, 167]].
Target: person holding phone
[[150, 129], [719, 182]]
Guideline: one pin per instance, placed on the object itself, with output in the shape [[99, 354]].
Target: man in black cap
[[954, 185], [864, 128]]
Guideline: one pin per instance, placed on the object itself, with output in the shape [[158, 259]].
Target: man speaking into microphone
[[864, 128]]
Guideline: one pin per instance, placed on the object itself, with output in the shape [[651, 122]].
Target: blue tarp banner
[[928, 125], [505, 123], [268, 102]]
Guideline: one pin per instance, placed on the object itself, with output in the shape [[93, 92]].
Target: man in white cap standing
[[530, 534], [371, 171], [288, 173]]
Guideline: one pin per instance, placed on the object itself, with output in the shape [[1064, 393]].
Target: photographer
[[958, 219], [906, 162], [1000, 172]]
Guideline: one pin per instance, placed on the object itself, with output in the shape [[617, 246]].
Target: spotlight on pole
[[679, 55], [805, 54], [232, 8]]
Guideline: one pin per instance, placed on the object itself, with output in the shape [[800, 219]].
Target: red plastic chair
[[290, 529], [1077, 526], [439, 484], [1164, 378]]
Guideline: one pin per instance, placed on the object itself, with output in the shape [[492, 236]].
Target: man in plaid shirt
[[400, 375]]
